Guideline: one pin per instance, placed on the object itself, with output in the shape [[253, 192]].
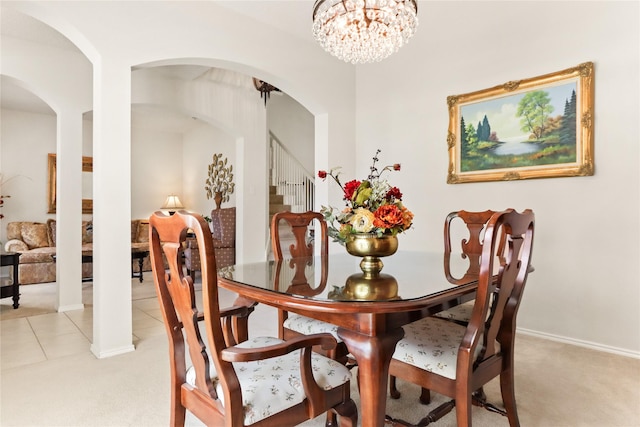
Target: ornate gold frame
[[583, 166], [87, 166]]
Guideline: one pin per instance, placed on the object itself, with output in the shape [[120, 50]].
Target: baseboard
[[580, 343], [113, 352], [71, 307]]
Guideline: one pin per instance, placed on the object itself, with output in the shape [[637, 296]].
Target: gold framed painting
[[540, 127], [52, 189]]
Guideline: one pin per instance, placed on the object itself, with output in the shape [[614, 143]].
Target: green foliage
[[568, 126], [484, 129], [534, 108]]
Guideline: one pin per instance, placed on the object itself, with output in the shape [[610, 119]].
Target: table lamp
[[172, 203]]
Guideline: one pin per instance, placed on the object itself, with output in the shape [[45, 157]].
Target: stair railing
[[290, 177]]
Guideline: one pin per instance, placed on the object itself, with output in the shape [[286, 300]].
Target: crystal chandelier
[[362, 31]]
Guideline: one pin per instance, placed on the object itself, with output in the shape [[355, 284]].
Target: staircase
[[276, 202], [292, 187]]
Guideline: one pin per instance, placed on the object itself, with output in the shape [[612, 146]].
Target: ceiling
[[293, 17]]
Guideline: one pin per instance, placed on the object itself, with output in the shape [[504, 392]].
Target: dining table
[[368, 307]]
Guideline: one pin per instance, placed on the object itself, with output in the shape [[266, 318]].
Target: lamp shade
[[172, 203]]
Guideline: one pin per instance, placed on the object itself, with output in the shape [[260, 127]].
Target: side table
[[140, 256], [13, 289]]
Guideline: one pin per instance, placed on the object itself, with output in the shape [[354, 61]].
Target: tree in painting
[[534, 109]]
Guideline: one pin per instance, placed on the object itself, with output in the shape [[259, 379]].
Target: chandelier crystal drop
[[363, 31]]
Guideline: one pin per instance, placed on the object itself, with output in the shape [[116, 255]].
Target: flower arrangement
[[372, 205]]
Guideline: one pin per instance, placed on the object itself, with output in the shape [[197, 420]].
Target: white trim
[[112, 352], [70, 307], [581, 343]]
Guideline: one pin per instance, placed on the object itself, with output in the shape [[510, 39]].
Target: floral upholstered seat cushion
[[307, 326], [431, 344], [272, 385], [460, 312]]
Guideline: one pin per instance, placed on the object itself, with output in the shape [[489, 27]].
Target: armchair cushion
[[87, 231], [460, 312], [307, 326], [432, 344], [35, 235], [281, 375], [143, 233]]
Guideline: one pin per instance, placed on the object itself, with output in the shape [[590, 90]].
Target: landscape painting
[[534, 128]]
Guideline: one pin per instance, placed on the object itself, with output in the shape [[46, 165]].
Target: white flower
[[362, 220]]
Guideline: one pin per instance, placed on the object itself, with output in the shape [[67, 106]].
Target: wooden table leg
[[373, 354], [140, 263]]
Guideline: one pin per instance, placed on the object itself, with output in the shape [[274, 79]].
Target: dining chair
[[301, 231], [469, 229], [226, 384], [456, 360]]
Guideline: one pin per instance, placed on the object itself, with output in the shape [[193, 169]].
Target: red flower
[[396, 166], [394, 193], [322, 174], [350, 188], [387, 216]]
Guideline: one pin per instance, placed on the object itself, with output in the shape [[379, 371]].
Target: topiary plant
[[219, 183]]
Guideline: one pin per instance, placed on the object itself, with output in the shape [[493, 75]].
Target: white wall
[[156, 170], [293, 125], [586, 286], [26, 138]]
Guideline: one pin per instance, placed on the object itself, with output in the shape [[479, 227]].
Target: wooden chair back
[[475, 224], [301, 226], [508, 241], [176, 293], [301, 244]]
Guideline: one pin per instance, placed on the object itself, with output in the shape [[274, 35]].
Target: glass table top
[[404, 276]]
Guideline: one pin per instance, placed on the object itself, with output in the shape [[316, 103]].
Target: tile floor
[[37, 338], [35, 332]]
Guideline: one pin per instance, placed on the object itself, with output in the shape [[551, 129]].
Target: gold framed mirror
[[87, 170]]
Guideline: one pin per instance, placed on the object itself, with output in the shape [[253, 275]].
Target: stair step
[[276, 199], [275, 208]]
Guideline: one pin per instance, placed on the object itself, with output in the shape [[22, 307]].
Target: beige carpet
[[557, 385]]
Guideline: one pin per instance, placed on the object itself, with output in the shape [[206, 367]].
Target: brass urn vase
[[371, 247], [371, 284]]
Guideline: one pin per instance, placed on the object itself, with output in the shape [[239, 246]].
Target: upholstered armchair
[[223, 231]]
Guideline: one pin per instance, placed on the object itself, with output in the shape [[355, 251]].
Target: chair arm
[[15, 245], [236, 310], [237, 354], [234, 322]]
